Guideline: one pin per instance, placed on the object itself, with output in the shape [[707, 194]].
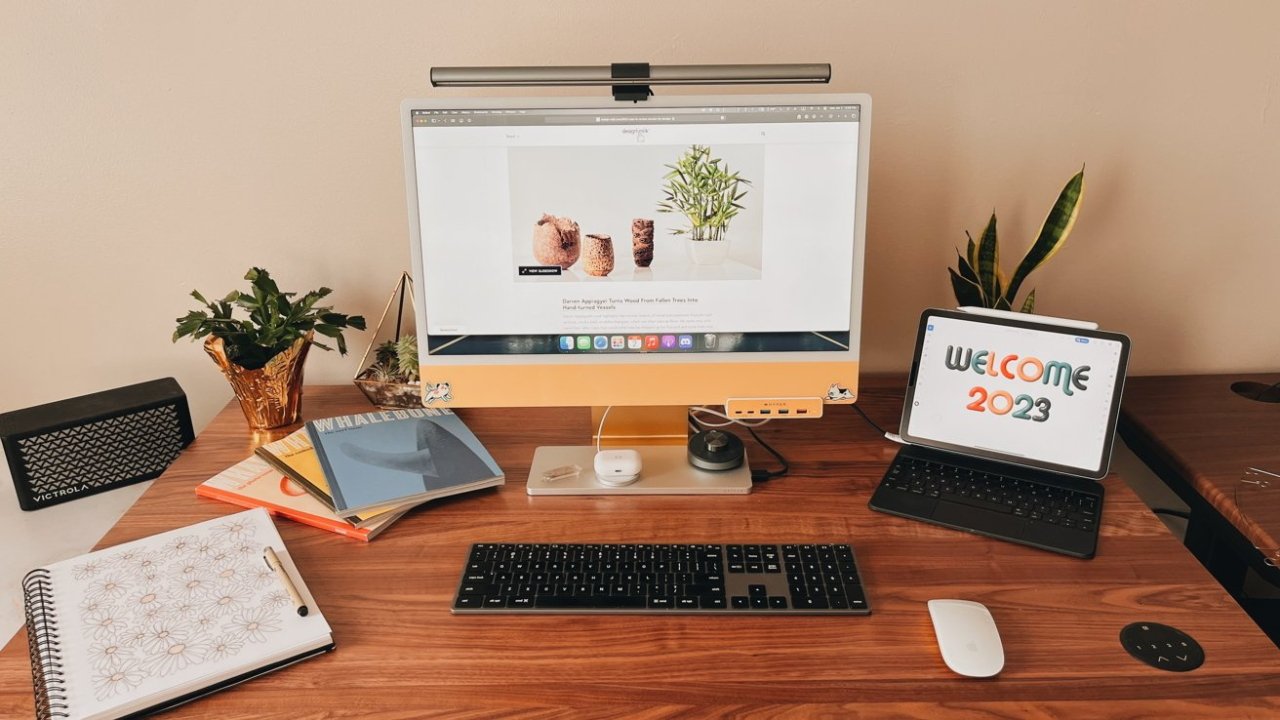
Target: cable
[[1265, 391], [599, 432], [870, 422], [763, 475], [605, 480]]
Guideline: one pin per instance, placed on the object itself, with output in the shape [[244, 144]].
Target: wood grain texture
[[1209, 435], [401, 654]]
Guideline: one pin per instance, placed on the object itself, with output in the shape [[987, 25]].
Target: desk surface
[[401, 653], [1208, 435]]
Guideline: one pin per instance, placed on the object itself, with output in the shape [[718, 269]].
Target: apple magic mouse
[[967, 637]]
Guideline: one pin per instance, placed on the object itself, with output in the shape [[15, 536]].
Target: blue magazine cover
[[397, 457]]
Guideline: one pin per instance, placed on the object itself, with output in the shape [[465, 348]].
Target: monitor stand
[[659, 434]]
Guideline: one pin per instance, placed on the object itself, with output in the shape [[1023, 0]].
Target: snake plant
[[978, 279]]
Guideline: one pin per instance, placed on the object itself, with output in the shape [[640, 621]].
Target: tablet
[[1016, 390]]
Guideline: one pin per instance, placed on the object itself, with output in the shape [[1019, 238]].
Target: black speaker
[[72, 448]]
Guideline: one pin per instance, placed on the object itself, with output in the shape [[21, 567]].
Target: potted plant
[[262, 356], [392, 380], [702, 188], [978, 279]]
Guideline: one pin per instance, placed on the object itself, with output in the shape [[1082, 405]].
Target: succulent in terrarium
[[395, 361]]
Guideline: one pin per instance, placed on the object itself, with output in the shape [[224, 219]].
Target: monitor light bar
[[641, 74]]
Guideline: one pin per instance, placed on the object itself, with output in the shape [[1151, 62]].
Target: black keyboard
[[979, 498], [786, 579]]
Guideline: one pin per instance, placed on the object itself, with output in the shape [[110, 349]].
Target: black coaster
[[1161, 646]]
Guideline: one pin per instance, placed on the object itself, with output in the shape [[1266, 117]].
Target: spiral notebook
[[154, 623]]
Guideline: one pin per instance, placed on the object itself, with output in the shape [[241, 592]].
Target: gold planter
[[270, 396]]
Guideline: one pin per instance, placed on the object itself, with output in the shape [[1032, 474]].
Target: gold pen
[[273, 562]]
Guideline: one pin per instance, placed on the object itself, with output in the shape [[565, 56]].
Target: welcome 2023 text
[[1028, 369]]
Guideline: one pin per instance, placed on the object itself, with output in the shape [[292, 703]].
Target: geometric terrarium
[[390, 379]]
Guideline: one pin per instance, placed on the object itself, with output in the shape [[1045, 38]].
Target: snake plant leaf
[[972, 253], [966, 270], [989, 260], [1029, 305], [967, 293], [1057, 226], [1002, 304]]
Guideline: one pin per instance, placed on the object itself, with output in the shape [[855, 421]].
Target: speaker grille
[[102, 452], [76, 447]]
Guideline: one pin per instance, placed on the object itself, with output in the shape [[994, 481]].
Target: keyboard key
[[711, 602], [777, 602], [977, 501], [620, 602], [562, 602], [740, 602], [469, 601]]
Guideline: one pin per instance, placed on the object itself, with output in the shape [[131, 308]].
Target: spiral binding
[[47, 676]]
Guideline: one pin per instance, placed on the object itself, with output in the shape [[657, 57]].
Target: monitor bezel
[[603, 103]]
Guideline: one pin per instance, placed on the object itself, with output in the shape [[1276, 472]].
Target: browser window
[[569, 230]]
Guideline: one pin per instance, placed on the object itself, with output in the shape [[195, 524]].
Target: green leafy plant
[[276, 320], [395, 361], [702, 188], [978, 279]]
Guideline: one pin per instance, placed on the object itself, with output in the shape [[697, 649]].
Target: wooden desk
[[402, 654], [1199, 437]]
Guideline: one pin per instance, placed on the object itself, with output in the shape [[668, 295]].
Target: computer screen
[[1018, 391], [679, 251]]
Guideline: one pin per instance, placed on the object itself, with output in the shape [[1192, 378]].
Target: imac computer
[[639, 259]]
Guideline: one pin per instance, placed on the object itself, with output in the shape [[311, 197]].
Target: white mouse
[[616, 468], [967, 637]]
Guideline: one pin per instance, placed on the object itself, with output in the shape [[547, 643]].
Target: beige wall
[[148, 148]]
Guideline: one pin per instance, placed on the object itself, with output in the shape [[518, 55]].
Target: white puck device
[[617, 467]]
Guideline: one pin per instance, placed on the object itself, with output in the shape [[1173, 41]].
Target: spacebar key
[[973, 502], [563, 602], [620, 601]]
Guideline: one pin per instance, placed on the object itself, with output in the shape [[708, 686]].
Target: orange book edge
[[295, 515]]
